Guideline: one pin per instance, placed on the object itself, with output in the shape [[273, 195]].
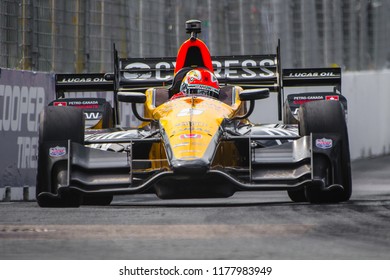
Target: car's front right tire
[[328, 117]]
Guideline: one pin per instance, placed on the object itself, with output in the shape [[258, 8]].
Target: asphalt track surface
[[260, 225]]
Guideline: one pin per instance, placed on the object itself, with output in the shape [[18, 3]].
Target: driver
[[199, 82]]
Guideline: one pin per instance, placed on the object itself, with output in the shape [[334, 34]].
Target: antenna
[[193, 27]]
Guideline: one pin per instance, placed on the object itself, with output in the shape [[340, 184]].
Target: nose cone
[[197, 166]]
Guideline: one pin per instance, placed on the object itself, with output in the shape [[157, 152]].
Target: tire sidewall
[[329, 117], [56, 126]]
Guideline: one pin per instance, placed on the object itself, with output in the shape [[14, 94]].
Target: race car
[[194, 139]]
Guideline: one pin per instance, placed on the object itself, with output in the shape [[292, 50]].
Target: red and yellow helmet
[[200, 82]]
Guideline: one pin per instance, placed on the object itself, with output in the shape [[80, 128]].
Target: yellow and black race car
[[195, 139]]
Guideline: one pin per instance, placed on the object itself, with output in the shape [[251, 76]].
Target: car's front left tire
[[57, 125], [328, 117]]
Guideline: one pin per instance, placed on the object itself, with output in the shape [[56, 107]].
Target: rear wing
[[244, 70], [248, 71]]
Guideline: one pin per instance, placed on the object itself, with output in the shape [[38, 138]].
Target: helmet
[[200, 81]]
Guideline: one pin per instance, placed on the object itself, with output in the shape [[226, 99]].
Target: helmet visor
[[202, 90]]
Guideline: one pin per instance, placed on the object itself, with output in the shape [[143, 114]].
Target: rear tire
[[57, 126], [328, 117], [288, 117], [108, 117]]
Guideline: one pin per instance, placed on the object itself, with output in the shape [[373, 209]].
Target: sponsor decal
[[59, 103], [239, 68], [242, 67], [83, 102], [189, 111], [196, 129], [20, 107], [332, 97], [192, 123], [82, 80], [88, 106], [181, 145], [57, 151], [303, 99], [92, 115], [324, 143], [142, 73], [312, 74], [190, 136]]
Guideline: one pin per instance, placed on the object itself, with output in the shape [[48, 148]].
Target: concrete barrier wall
[[368, 95], [23, 94]]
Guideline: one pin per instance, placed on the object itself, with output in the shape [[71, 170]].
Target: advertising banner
[[23, 94]]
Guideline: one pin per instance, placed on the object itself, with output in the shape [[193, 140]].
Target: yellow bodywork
[[189, 125]]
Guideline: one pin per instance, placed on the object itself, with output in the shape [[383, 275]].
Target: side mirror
[[254, 94], [131, 97]]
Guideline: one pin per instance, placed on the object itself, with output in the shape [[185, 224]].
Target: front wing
[[288, 166]]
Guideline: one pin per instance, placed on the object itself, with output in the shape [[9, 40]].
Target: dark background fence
[[77, 35]]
